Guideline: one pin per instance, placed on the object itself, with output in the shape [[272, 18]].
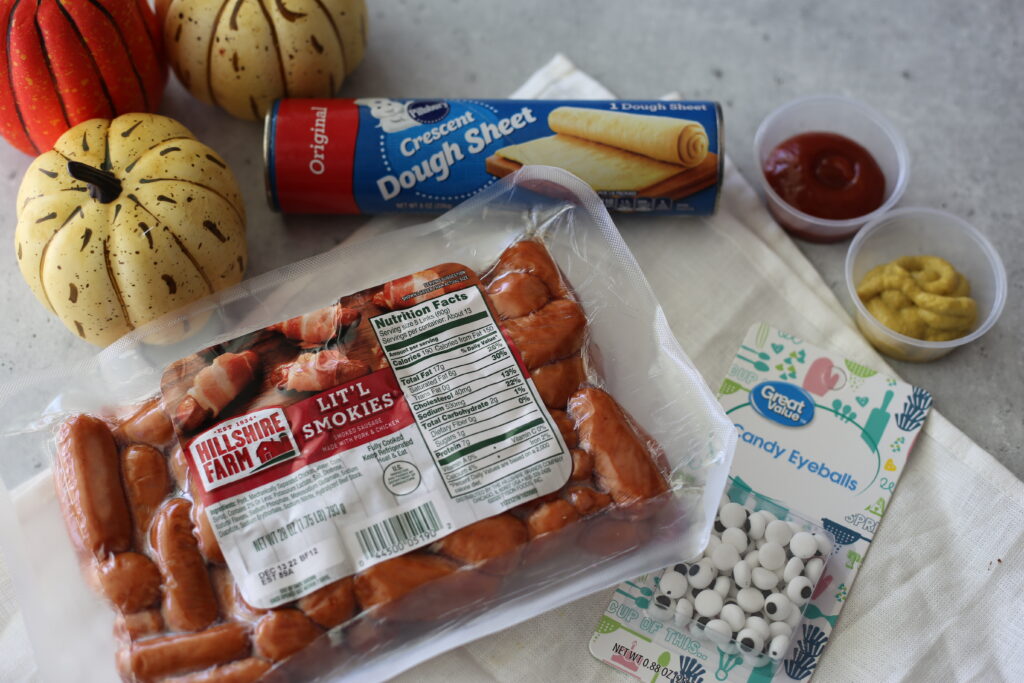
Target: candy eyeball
[[803, 545], [824, 544], [777, 606], [735, 537], [813, 569], [795, 617], [764, 579], [661, 608], [758, 624], [751, 558], [708, 603], [750, 599], [779, 628], [759, 543], [701, 574], [733, 615], [750, 640], [718, 631], [723, 585], [673, 582], [771, 556], [768, 516], [741, 574], [793, 569], [778, 647], [684, 612], [725, 557], [757, 525], [732, 515], [778, 532], [799, 590], [795, 527]]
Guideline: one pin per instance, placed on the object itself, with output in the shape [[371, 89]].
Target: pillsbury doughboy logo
[[782, 402], [428, 111]]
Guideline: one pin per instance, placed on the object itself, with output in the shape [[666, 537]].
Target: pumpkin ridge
[[49, 69], [10, 81], [177, 241], [157, 49], [209, 48], [277, 47], [124, 43], [42, 255], [337, 36], [92, 59], [190, 257], [43, 194], [113, 283], [241, 218]]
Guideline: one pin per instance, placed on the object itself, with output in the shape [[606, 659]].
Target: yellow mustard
[[920, 296]]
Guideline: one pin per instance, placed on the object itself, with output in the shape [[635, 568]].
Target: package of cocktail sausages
[[344, 467]]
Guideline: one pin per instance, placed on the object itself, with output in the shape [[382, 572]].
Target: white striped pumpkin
[[241, 55], [125, 220]]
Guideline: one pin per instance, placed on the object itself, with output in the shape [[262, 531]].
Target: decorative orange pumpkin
[[64, 62], [241, 56]]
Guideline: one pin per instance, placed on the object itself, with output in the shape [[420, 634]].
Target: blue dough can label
[[378, 155]]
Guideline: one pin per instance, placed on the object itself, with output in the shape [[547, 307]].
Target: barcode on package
[[390, 535]]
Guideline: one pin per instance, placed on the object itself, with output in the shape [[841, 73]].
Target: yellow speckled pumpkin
[[241, 55], [125, 220]]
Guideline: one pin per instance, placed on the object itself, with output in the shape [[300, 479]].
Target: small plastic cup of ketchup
[[828, 165]]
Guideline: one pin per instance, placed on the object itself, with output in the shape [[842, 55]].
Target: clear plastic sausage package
[[346, 466]]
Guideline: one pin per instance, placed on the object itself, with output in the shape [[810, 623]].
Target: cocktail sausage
[[146, 483], [154, 658], [189, 602], [622, 462], [130, 581], [553, 332], [88, 477]]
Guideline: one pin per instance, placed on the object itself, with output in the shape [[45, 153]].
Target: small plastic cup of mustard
[[921, 231]]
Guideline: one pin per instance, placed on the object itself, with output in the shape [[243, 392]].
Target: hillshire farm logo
[[239, 447], [782, 402]]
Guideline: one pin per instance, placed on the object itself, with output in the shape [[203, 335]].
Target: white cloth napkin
[[939, 595], [938, 598]]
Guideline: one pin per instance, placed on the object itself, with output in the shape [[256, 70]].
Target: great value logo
[[783, 403], [236, 448]]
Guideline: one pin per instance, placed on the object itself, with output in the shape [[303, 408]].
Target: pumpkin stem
[[103, 185]]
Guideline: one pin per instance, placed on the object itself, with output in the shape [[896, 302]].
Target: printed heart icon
[[778, 348], [890, 466], [862, 401]]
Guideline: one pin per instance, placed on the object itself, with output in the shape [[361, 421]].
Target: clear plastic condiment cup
[[920, 231], [846, 117]]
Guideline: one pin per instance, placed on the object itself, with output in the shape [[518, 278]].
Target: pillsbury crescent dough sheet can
[[380, 155]]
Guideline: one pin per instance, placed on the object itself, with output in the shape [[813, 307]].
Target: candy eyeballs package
[[360, 461], [822, 443]]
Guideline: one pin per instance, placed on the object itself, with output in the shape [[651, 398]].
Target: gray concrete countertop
[[947, 74]]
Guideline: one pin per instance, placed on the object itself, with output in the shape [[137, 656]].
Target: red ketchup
[[827, 176]]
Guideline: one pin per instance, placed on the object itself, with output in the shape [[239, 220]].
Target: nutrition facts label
[[479, 415]]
